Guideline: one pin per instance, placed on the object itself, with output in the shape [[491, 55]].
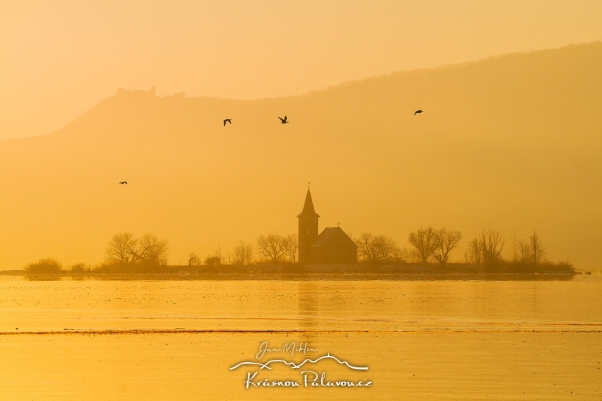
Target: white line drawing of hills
[[295, 366]]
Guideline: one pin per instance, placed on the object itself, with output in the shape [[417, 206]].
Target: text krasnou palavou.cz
[[309, 379]]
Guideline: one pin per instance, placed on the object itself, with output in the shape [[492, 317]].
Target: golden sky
[[510, 143], [61, 57]]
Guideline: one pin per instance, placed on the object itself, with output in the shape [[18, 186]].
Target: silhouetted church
[[331, 246]]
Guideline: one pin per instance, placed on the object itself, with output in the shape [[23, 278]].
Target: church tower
[[308, 229]]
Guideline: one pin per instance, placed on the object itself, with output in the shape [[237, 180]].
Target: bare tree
[[403, 255], [445, 241], [387, 249], [218, 255], [292, 246], [423, 241], [524, 250], [366, 248], [193, 259], [520, 251], [152, 250], [120, 248], [537, 249], [216, 259], [376, 248], [528, 251], [475, 250], [272, 247], [243, 253], [514, 249], [492, 246], [124, 248]]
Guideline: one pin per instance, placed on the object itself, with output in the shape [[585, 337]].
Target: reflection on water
[[308, 311], [297, 306], [309, 304]]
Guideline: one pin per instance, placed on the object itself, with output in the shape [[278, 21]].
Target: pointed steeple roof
[[308, 207]]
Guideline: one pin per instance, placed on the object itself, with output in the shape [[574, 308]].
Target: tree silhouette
[[193, 259], [243, 253], [152, 250], [537, 249], [119, 249], [376, 248], [423, 241], [445, 241], [292, 246], [124, 248], [492, 245], [272, 247], [521, 251], [475, 250]]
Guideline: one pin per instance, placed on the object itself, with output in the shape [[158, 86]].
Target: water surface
[[164, 339]]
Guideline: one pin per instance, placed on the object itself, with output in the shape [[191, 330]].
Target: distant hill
[[511, 143]]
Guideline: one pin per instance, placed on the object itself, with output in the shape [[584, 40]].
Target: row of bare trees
[[529, 250], [486, 248], [270, 248], [378, 248], [436, 245], [275, 248], [427, 245]]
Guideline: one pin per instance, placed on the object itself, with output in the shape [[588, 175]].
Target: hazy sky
[[61, 57]]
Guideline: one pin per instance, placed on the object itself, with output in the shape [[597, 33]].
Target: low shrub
[[44, 266]]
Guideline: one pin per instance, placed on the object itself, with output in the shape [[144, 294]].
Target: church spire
[[308, 229], [308, 207]]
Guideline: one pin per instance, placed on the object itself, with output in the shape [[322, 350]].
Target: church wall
[[339, 249]]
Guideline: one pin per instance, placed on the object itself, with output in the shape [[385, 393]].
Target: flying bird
[[227, 120], [123, 182], [283, 120], [417, 112]]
